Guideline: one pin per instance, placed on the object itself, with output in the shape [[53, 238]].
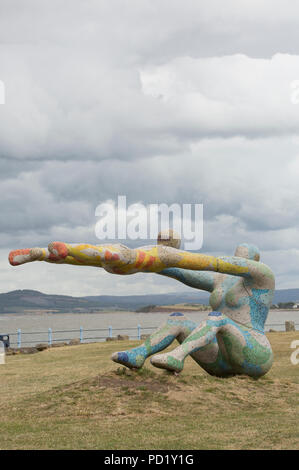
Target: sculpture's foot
[[168, 362], [58, 249], [26, 255], [134, 358]]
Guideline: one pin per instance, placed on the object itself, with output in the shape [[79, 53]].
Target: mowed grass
[[76, 398]]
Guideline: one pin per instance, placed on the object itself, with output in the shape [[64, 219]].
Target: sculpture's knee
[[217, 315], [217, 320], [178, 318], [184, 326], [176, 314]]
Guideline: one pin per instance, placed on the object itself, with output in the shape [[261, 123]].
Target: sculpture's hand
[[57, 253], [26, 255]]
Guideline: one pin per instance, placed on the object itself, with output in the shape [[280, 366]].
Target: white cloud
[[230, 95]]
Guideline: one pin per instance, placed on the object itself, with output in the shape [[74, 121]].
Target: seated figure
[[230, 341]]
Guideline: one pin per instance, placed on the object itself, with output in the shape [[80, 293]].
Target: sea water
[[65, 326]]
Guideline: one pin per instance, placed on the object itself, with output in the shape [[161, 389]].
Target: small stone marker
[[122, 337], [74, 341], [290, 326]]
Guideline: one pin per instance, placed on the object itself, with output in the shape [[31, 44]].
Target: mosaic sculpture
[[230, 341]]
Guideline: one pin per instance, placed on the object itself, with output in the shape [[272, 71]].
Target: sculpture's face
[[246, 250]]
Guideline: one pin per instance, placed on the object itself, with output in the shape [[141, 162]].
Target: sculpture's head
[[246, 250], [169, 238]]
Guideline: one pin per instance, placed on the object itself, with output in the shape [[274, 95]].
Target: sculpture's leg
[[203, 335], [246, 351], [177, 327], [213, 359]]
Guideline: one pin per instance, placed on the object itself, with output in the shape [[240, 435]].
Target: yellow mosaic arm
[[119, 259]]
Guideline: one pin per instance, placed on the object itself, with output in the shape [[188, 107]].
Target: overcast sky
[[159, 100]]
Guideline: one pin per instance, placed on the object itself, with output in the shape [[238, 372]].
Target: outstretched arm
[[116, 258], [197, 279], [120, 259]]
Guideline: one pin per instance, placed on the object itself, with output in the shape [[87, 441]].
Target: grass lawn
[[75, 397]]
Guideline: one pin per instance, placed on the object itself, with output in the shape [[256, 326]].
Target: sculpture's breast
[[233, 297], [228, 294]]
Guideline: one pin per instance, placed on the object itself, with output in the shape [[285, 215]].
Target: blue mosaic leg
[[177, 326]]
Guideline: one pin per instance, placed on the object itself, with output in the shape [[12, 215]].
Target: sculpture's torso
[[235, 298]]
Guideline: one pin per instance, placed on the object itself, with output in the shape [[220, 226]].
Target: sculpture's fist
[[26, 255]]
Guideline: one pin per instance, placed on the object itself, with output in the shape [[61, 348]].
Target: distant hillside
[[137, 301], [286, 295], [20, 301]]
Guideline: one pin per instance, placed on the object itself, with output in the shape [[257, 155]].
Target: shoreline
[[115, 311]]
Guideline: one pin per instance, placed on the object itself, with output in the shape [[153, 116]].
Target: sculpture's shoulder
[[262, 276]]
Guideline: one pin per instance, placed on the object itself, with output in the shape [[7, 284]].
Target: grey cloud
[[155, 30], [231, 178], [216, 126], [74, 91]]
